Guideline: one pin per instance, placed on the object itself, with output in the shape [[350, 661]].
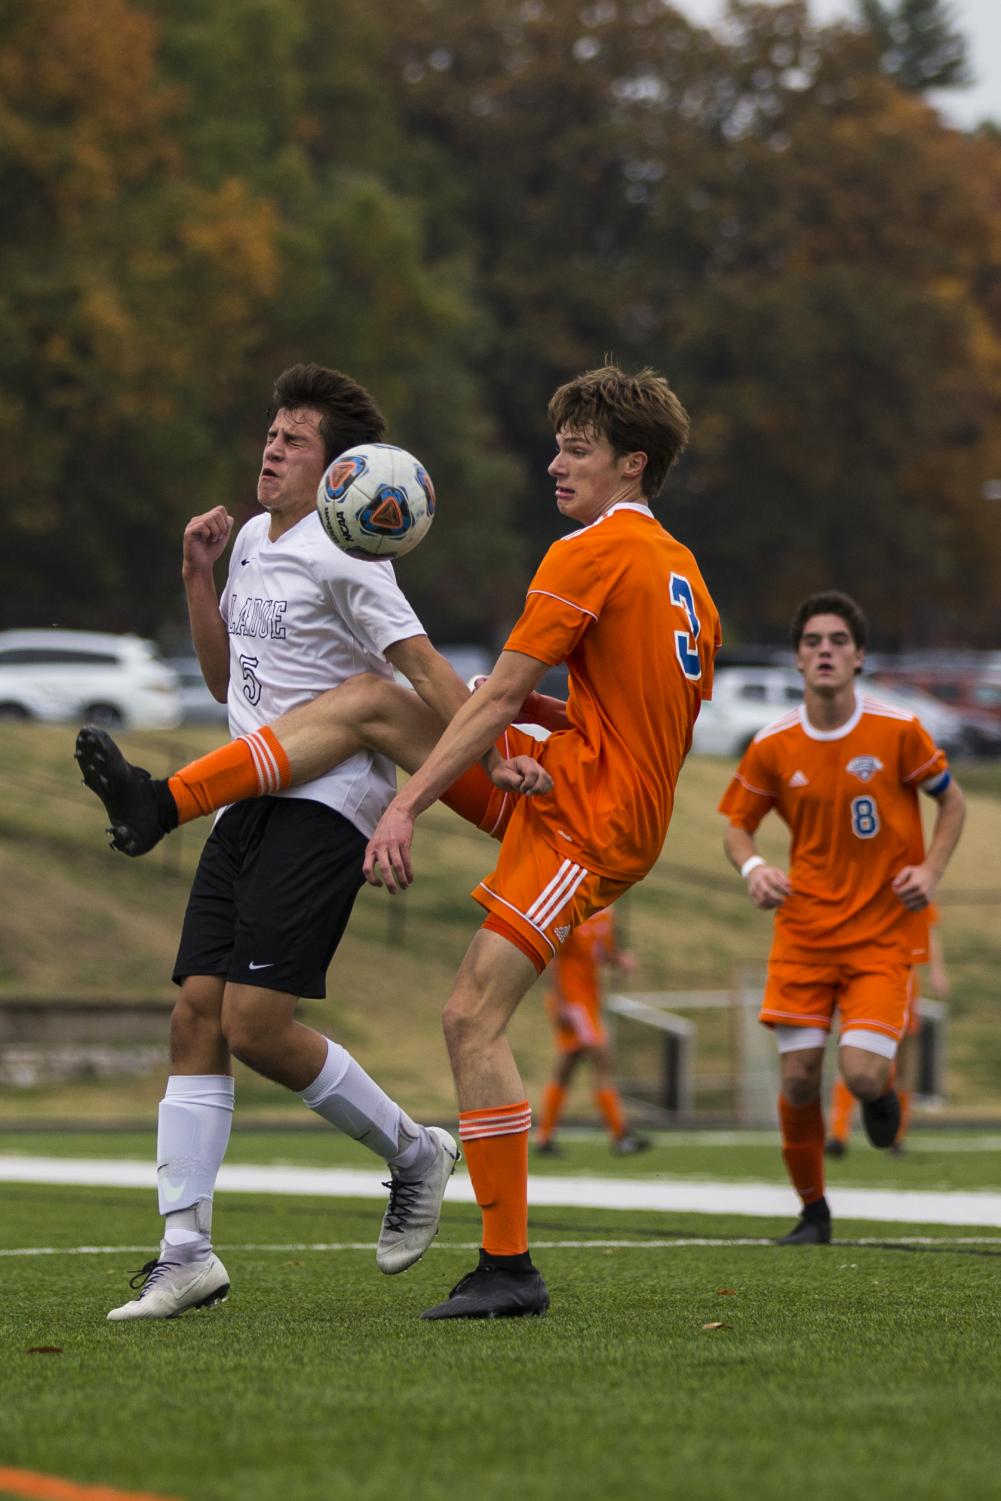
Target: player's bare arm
[[469, 736], [767, 886], [430, 674], [204, 542], [915, 885]]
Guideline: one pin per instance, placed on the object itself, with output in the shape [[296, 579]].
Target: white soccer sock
[[194, 1122], [343, 1094]]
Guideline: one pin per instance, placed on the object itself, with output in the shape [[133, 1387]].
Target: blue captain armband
[[935, 786]]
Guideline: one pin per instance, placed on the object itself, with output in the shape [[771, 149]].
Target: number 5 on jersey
[[685, 641]]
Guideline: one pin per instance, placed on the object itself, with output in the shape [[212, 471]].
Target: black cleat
[[835, 1147], [125, 790], [881, 1119], [547, 1149], [810, 1230], [493, 1292], [628, 1144]]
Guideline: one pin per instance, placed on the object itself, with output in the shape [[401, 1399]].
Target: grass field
[[690, 1358]]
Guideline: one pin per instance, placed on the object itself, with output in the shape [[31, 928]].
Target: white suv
[[87, 676]]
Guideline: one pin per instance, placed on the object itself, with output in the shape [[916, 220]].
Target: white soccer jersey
[[302, 617]]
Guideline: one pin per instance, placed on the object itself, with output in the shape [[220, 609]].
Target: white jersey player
[[279, 874]]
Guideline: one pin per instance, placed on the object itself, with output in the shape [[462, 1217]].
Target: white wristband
[[750, 864]]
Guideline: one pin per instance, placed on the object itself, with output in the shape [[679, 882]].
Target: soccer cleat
[[808, 1231], [835, 1147], [628, 1144], [125, 790], [493, 1292], [170, 1288], [410, 1223], [547, 1149], [881, 1119]]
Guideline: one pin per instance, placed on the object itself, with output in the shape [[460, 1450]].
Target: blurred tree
[[920, 44]]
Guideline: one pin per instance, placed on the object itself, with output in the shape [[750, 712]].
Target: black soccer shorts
[[272, 895]]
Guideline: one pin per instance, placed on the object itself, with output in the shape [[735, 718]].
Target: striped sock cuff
[[274, 771], [499, 1120]]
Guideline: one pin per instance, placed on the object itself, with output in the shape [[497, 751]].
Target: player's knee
[[247, 1036], [867, 1075], [197, 1012], [800, 1080]]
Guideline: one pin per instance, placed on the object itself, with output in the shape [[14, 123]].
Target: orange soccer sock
[[803, 1147], [251, 766], [610, 1105], [495, 1142], [904, 1096], [842, 1109], [553, 1098]]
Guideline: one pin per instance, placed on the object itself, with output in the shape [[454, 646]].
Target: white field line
[[904, 1206], [723, 1243]]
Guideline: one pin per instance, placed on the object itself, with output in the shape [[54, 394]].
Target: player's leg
[[365, 713], [494, 1121], [624, 1142], [299, 880], [873, 1009], [842, 1110], [801, 1121], [555, 1092]]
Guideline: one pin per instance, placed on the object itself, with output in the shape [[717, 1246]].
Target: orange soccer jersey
[[625, 606], [574, 1000], [849, 797]]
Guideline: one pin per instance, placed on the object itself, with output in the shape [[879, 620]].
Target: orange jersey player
[[851, 916], [574, 1004], [624, 605]]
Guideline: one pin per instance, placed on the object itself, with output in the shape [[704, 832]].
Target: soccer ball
[[375, 501]]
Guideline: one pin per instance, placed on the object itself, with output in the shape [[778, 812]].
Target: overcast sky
[[979, 20]]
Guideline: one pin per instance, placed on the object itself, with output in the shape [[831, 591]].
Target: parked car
[[972, 693], [745, 699], [197, 704], [87, 677]]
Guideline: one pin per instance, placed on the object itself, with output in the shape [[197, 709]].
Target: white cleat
[[170, 1288], [410, 1223]]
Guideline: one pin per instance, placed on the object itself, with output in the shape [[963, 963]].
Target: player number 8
[[865, 817], [684, 641]]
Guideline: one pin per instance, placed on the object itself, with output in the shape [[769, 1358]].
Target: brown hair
[[348, 414], [829, 602], [636, 413]]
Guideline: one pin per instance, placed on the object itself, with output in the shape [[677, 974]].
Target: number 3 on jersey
[[685, 641], [865, 817]]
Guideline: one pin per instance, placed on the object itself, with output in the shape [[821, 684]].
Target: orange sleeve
[[564, 600], [751, 793], [921, 760]]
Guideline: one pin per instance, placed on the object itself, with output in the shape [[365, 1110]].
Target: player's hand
[[522, 774], [768, 887], [387, 858], [542, 709], [914, 886], [205, 538]]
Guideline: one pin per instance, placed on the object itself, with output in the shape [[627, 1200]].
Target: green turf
[[859, 1369], [933, 1159]]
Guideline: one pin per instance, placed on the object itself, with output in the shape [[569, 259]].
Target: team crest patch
[[864, 767]]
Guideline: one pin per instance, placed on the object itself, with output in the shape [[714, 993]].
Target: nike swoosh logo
[[170, 1191], [271, 965]]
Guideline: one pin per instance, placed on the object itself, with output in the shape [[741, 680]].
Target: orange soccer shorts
[[578, 1024], [536, 896], [868, 993]]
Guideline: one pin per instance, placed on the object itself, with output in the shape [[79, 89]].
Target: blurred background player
[[843, 772], [574, 1003], [842, 1106], [279, 874]]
